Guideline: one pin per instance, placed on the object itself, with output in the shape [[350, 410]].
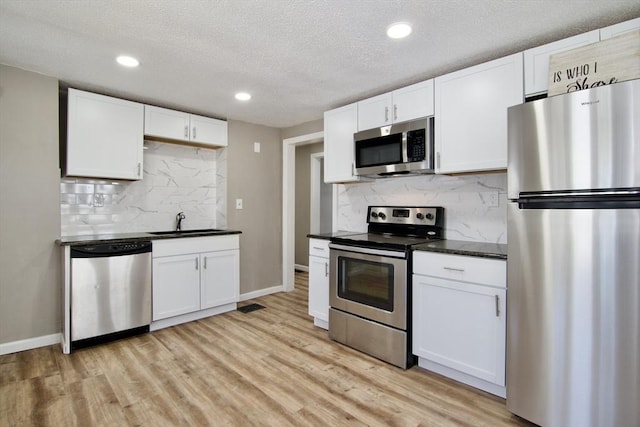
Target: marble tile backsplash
[[176, 178], [475, 205]]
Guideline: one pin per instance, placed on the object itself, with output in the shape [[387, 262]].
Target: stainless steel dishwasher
[[110, 291]]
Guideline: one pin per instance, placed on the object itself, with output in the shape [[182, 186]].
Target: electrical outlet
[[238, 203], [98, 200], [256, 147]]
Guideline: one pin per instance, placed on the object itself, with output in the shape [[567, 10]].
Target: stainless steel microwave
[[399, 149]]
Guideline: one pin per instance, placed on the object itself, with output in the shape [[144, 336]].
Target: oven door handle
[[367, 251]]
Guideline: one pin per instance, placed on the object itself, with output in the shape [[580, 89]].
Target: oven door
[[369, 283]]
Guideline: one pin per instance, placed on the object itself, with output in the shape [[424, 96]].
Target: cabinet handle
[[497, 306], [326, 269], [395, 112], [204, 263], [438, 160], [460, 270], [194, 132], [186, 131], [318, 248], [196, 263], [386, 114], [139, 168]]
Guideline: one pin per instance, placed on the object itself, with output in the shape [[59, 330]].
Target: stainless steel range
[[370, 281]]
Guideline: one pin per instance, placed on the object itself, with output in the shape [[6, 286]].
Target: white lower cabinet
[[319, 282], [194, 278], [459, 318]]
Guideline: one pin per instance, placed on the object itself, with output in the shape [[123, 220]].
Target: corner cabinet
[[459, 318], [104, 136], [194, 277], [319, 282], [339, 126], [170, 125], [471, 115], [407, 103]]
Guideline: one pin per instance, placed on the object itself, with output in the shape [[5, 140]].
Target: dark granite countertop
[[462, 247], [328, 236], [92, 239]]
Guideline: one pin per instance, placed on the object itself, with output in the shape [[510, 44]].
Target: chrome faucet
[[179, 217]]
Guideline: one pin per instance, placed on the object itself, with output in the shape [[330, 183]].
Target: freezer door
[[582, 140], [573, 316]]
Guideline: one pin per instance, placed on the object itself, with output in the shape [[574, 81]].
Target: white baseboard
[[301, 267], [29, 343], [261, 292]]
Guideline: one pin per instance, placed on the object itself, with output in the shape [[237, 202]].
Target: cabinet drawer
[[191, 245], [492, 272], [319, 248]]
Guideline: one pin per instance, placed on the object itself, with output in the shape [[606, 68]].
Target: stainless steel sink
[[183, 232]]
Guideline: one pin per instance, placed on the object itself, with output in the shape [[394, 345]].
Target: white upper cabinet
[[536, 60], [104, 136], [621, 28], [339, 126], [408, 103], [166, 124], [471, 115]]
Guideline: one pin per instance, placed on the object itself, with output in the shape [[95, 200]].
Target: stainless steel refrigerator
[[573, 293]]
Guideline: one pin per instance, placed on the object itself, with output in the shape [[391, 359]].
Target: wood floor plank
[[269, 367]]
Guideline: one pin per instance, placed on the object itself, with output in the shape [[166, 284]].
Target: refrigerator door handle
[[610, 199]]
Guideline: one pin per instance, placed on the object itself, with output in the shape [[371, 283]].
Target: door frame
[[288, 203], [314, 220]]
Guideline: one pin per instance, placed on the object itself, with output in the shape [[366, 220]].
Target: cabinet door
[[208, 131], [339, 126], [413, 102], [471, 115], [104, 136], [618, 29], [319, 288], [176, 285], [536, 60], [461, 326], [220, 278], [375, 112], [165, 123]]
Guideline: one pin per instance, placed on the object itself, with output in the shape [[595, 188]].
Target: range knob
[[374, 214], [429, 216], [382, 216], [419, 215]]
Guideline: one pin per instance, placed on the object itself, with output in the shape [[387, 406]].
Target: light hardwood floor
[[270, 367]]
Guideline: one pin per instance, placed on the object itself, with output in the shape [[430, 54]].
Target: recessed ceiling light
[[243, 96], [399, 30], [127, 61]]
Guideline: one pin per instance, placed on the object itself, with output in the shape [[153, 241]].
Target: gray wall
[[303, 200], [257, 179], [303, 129], [30, 284]]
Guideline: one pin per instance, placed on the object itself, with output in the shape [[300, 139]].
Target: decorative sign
[[598, 64]]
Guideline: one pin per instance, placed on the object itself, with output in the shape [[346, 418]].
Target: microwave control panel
[[416, 149]]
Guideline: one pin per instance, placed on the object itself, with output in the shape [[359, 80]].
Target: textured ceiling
[[297, 58]]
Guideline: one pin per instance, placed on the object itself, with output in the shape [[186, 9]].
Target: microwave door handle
[[405, 157]]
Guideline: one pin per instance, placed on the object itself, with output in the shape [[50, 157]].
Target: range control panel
[[413, 215]]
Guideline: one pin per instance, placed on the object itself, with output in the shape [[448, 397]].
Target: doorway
[[288, 202]]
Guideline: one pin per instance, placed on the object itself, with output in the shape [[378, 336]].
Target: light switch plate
[[256, 147], [238, 203]]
